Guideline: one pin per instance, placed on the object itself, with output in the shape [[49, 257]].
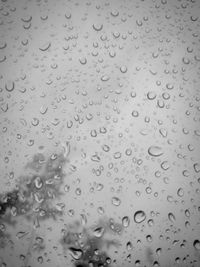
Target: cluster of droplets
[[88, 246], [34, 198]]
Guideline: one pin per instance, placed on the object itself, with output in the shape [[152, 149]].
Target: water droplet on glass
[[139, 216], [171, 217], [75, 253], [35, 121], [116, 201], [155, 151], [44, 47], [123, 69], [196, 244], [196, 167], [10, 86], [83, 60], [97, 27], [125, 221], [98, 232]]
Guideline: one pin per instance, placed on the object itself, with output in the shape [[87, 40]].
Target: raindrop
[[38, 182], [78, 191], [35, 121], [98, 232], [196, 167], [75, 253], [169, 86], [114, 13], [68, 15], [93, 133], [165, 165], [3, 45], [151, 95], [105, 78], [10, 86], [171, 217], [40, 259], [196, 244], [117, 155], [125, 221], [83, 60], [43, 110], [135, 113], [95, 158], [123, 69], [155, 151], [45, 46], [180, 192], [163, 132], [97, 27], [116, 201], [26, 18], [106, 148], [2, 59], [139, 216], [129, 246]]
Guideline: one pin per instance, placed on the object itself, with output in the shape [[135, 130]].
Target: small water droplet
[[123, 69], [125, 221], [116, 201], [75, 253], [196, 244]]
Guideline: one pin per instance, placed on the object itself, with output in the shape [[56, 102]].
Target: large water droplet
[[97, 27], [155, 151], [75, 253], [139, 216]]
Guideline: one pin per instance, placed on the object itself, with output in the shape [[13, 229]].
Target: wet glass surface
[[100, 133]]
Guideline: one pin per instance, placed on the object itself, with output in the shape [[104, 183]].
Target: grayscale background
[[112, 87]]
